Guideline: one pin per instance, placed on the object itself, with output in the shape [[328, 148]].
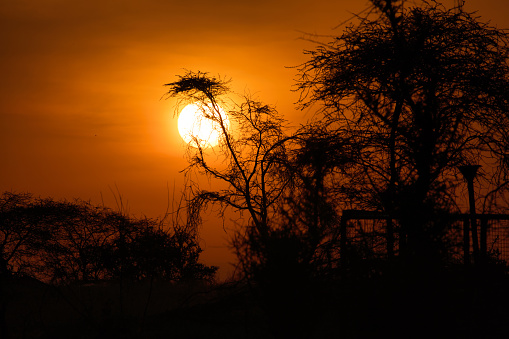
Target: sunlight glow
[[199, 124]]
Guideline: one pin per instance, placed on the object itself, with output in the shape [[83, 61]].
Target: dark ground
[[449, 304]]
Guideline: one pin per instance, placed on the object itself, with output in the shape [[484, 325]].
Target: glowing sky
[[81, 82]]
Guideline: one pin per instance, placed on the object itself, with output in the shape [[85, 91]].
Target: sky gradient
[[81, 113]]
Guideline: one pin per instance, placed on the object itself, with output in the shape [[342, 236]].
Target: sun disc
[[200, 125]]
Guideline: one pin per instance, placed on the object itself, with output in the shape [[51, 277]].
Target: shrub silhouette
[[62, 242]]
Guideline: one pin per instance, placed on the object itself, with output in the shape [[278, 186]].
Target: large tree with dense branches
[[419, 90]]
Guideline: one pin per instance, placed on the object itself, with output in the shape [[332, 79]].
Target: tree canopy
[[419, 90], [63, 242]]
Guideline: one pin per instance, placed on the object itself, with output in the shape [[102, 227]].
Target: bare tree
[[419, 90], [253, 157]]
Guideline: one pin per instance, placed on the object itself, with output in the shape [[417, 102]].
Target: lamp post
[[469, 172]]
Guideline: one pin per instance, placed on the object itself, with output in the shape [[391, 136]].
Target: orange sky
[[81, 82]]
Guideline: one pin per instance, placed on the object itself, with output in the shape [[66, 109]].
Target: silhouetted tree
[[253, 158], [146, 251], [310, 210], [64, 242], [419, 90]]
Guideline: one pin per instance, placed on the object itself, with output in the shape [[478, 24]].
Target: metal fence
[[364, 234], [497, 239]]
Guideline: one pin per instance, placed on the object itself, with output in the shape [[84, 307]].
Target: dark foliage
[[198, 85], [66, 242]]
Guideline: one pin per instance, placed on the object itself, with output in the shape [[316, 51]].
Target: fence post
[[469, 172]]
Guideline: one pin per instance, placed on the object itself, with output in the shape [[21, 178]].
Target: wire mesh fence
[[365, 235], [497, 239]]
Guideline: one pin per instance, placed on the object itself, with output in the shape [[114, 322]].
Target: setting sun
[[198, 124]]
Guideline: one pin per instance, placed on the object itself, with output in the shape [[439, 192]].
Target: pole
[[473, 221], [469, 172]]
